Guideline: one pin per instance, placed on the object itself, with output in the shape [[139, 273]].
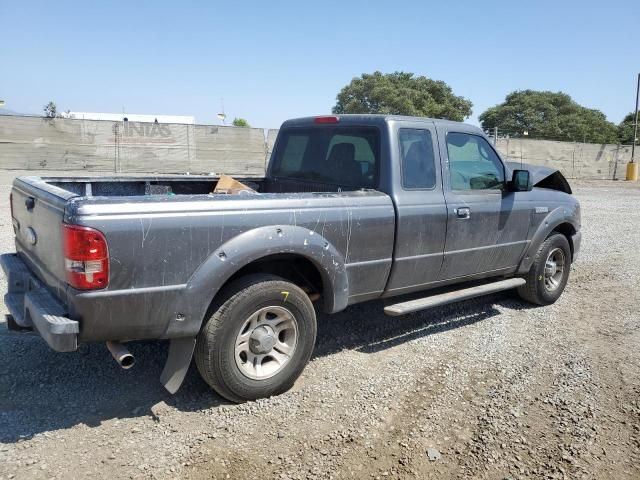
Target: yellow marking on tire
[[285, 294]]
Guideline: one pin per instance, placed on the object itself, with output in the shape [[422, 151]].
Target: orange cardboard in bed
[[230, 185]]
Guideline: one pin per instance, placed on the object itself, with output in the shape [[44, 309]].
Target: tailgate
[[38, 214]]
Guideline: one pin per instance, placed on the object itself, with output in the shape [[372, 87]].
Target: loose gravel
[[490, 388]]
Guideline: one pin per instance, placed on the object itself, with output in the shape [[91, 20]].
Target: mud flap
[[178, 361]]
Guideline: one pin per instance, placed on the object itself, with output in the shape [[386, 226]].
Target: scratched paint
[[170, 252]]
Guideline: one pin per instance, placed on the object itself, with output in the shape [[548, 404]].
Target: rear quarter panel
[[156, 245]]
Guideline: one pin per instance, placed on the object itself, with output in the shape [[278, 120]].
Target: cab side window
[[417, 159], [473, 164]]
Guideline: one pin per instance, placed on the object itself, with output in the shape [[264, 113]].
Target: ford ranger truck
[[414, 211]]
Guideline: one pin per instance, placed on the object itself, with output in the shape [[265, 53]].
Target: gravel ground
[[490, 388]]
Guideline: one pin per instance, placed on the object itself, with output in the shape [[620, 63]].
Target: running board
[[450, 297]]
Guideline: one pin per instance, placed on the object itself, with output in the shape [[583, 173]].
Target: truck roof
[[378, 119]]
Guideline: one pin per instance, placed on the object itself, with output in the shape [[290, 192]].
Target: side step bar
[[450, 297]]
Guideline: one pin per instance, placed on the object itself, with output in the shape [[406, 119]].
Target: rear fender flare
[[248, 247]]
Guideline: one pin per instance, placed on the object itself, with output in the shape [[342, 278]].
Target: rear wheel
[[258, 340], [549, 272]]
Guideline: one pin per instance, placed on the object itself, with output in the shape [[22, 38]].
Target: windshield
[[345, 156]]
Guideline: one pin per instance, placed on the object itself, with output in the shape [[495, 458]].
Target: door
[[420, 209], [486, 228]]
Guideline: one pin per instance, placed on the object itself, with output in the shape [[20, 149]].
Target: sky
[[275, 60]]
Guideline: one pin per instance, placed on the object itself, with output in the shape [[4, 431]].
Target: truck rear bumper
[[33, 306]]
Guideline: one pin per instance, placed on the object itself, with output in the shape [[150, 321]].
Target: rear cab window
[[345, 156]]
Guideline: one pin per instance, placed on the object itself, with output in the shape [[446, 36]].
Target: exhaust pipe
[[121, 355]]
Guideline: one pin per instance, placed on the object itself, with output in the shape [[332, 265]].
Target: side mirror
[[521, 181]]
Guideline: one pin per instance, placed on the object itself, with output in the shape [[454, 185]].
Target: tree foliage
[[50, 110], [240, 122], [401, 93], [625, 129], [548, 115]]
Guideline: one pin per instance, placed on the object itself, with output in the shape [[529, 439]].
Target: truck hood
[[543, 177]]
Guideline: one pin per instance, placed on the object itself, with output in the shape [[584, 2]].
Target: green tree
[[401, 93], [625, 129], [50, 110], [240, 122], [548, 115]]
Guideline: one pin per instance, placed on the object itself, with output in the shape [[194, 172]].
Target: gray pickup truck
[[417, 212]]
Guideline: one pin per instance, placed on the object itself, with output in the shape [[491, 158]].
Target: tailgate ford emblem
[[32, 238]]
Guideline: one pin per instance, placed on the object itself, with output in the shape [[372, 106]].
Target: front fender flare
[[248, 247], [558, 216]]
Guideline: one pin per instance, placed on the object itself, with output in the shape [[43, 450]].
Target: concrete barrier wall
[[35, 143], [32, 143], [574, 160]]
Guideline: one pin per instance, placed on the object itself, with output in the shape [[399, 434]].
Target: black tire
[[216, 343], [536, 289]]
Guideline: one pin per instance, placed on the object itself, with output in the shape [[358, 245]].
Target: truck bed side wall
[[156, 247]]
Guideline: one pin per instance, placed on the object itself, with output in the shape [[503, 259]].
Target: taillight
[[328, 119], [86, 257]]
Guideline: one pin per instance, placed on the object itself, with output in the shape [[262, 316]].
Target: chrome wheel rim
[[266, 342], [554, 269]]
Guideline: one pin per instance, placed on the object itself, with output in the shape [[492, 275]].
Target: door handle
[[462, 212]]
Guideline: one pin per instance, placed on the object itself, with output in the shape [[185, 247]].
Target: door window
[[417, 160], [473, 164]]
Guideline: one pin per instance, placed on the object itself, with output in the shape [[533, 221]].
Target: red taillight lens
[[86, 257], [326, 120]]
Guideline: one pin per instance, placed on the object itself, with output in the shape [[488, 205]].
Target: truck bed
[[163, 231], [176, 185]]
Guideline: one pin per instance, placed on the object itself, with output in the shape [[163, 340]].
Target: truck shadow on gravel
[[370, 331], [43, 391]]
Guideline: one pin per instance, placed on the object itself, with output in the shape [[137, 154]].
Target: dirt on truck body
[[415, 212]]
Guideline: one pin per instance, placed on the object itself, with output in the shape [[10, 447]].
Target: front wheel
[[549, 272], [258, 340]]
